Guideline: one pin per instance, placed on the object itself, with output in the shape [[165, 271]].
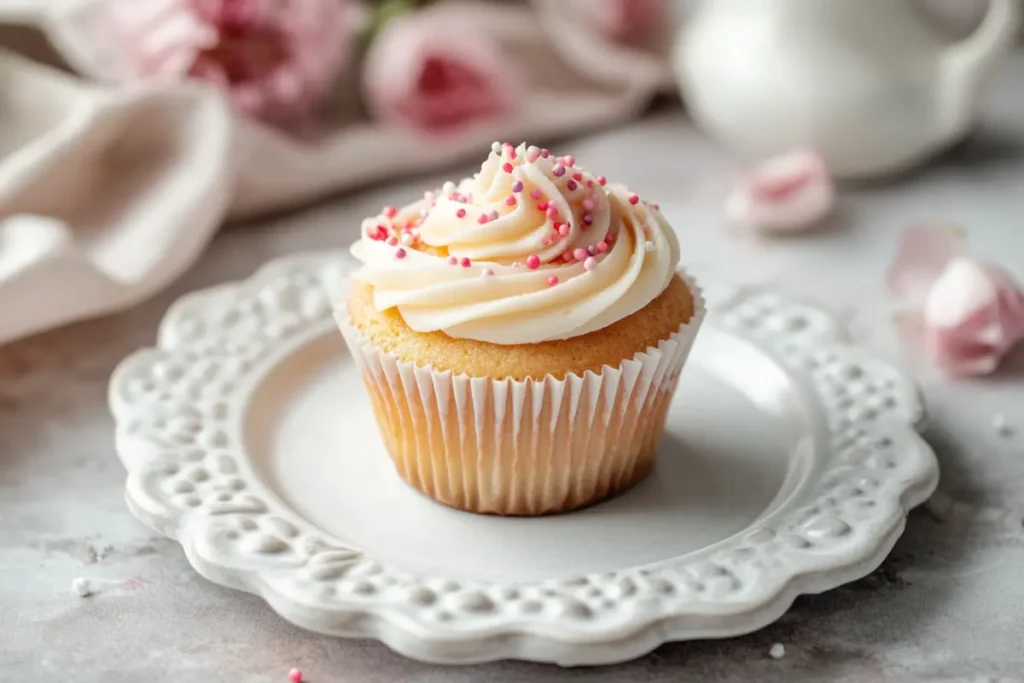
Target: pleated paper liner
[[531, 447]]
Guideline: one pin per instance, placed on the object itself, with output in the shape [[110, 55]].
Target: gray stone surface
[[947, 606]]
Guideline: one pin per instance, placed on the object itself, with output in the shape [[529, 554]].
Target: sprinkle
[[486, 272], [83, 587], [559, 170], [496, 147], [590, 183], [588, 204], [590, 264], [545, 153], [392, 241], [507, 167], [542, 206], [400, 254], [461, 213], [511, 150], [601, 247], [571, 186], [452, 261], [448, 187], [532, 153], [563, 229], [601, 180], [552, 281], [577, 176], [569, 160], [777, 651], [465, 262], [510, 200], [390, 211], [580, 254], [656, 206], [648, 246], [610, 239], [552, 212], [536, 194], [546, 242], [407, 238], [592, 250], [533, 262], [517, 186], [493, 215], [295, 675], [634, 199], [588, 219], [482, 219], [567, 257]]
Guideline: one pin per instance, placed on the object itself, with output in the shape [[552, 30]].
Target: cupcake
[[520, 334]]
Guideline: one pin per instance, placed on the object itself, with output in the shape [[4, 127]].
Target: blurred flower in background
[[622, 21], [434, 70], [276, 59]]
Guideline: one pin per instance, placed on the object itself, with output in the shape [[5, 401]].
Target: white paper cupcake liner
[[529, 447]]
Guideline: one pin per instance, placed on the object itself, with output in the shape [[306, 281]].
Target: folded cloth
[[108, 193]]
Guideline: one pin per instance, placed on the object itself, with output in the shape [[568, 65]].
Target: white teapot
[[868, 83]]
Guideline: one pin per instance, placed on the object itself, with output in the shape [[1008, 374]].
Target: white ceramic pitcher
[[868, 83]]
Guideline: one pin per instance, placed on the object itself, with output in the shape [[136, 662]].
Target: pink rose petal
[[787, 194], [970, 313]]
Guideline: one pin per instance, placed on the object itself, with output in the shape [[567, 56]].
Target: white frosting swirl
[[530, 249]]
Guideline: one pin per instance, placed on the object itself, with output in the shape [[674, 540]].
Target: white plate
[[789, 465]]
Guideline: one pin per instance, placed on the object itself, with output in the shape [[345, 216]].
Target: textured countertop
[[948, 605]]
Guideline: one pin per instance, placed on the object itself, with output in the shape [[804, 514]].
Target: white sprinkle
[[448, 187], [1002, 427], [590, 263], [649, 246], [486, 272], [407, 239], [777, 651], [496, 147], [81, 586]]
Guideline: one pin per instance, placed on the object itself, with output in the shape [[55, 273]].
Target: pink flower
[[786, 194], [969, 313], [276, 59], [434, 70], [622, 21]]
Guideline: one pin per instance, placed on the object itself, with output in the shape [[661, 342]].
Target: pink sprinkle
[[482, 219], [588, 219], [545, 153], [542, 206], [563, 229], [510, 200], [486, 272], [390, 211], [552, 281], [400, 253], [588, 204], [493, 215], [295, 675], [580, 254], [569, 160], [656, 206], [592, 250], [533, 262], [532, 154], [601, 247], [552, 212], [517, 186], [590, 264], [571, 186], [452, 261], [507, 167], [465, 262], [610, 239], [559, 170], [392, 241], [567, 257], [546, 242], [590, 183], [601, 180], [461, 213], [536, 194], [634, 199], [577, 176]]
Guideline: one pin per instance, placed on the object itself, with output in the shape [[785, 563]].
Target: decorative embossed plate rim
[[179, 411]]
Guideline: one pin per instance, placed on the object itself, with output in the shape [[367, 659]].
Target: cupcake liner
[[529, 447]]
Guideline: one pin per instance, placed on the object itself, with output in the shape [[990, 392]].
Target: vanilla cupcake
[[521, 334]]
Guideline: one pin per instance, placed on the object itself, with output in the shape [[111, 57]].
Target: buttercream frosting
[[532, 248]]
